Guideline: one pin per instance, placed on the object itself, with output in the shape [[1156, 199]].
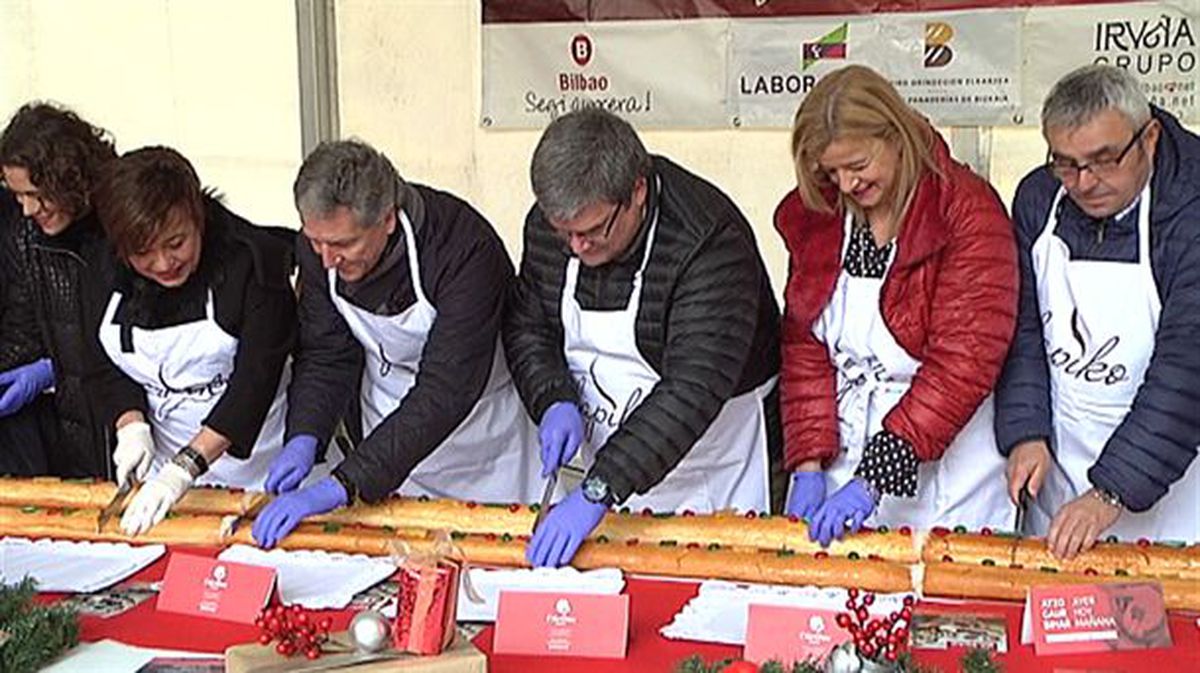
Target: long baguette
[[410, 517], [961, 580], [765, 532], [1139, 560], [751, 565]]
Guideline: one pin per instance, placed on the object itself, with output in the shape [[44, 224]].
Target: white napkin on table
[[315, 579], [489, 583], [718, 613], [63, 565]]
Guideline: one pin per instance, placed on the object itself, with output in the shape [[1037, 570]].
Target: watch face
[[595, 489]]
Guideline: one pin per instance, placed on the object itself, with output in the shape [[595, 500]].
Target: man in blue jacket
[[1098, 407]]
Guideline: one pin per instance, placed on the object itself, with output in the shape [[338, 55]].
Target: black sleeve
[[533, 336], [328, 360], [1023, 390], [710, 326], [20, 342], [111, 391], [1156, 442], [473, 276], [268, 333]]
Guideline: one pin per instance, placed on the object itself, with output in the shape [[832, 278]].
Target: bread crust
[[742, 564], [747, 548], [962, 580]]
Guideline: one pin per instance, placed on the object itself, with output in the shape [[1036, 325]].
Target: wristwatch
[[192, 461], [1107, 497], [596, 490]]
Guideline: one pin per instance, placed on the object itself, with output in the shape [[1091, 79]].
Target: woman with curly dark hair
[[50, 160]]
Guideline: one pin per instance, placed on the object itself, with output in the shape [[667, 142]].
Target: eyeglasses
[[594, 234], [1068, 170]]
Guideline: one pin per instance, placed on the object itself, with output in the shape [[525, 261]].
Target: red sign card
[[208, 587], [565, 625], [791, 634], [1098, 618]]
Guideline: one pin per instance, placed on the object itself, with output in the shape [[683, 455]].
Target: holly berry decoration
[[879, 639], [293, 630]]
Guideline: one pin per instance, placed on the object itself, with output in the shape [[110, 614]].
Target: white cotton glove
[[155, 498], [135, 451]]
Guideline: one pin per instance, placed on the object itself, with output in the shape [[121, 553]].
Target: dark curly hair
[[62, 153]]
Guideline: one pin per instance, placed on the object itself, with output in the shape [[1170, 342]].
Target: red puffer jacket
[[950, 301]]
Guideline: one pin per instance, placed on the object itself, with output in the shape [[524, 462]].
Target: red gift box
[[427, 603]]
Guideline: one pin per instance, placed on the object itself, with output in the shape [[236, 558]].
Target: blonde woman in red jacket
[[901, 302]]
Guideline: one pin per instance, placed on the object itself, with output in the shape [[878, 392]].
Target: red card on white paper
[[207, 587], [791, 634], [562, 624], [1067, 619]]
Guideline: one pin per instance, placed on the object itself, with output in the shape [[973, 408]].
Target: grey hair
[[1086, 92], [585, 157], [347, 174]]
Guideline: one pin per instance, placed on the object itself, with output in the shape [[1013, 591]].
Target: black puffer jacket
[[1155, 444], [708, 323]]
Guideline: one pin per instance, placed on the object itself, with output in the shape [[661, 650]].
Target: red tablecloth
[[653, 604]]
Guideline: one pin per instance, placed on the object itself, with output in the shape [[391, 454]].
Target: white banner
[[1156, 41], [654, 73], [959, 68], [773, 63], [987, 66]]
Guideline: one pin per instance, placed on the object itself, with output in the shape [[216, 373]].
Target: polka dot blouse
[[889, 462]]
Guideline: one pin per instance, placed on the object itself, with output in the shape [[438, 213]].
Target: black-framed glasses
[[596, 233], [1069, 170]]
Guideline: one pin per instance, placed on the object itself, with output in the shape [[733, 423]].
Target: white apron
[[1099, 321], [726, 467], [492, 455], [184, 370], [966, 486]]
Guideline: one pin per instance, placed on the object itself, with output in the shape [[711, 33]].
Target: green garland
[[974, 661], [32, 634]]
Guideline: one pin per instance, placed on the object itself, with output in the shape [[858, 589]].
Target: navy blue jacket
[[1156, 442]]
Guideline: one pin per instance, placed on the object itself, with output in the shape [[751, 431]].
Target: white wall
[[214, 79], [218, 80]]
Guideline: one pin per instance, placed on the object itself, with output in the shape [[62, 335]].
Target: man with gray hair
[[402, 291], [1097, 406], [642, 329]]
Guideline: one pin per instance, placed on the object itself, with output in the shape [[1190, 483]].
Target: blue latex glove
[[24, 383], [808, 492], [561, 433], [851, 503], [555, 542], [287, 511], [292, 464]]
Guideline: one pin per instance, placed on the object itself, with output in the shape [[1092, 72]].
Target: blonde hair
[[857, 102]]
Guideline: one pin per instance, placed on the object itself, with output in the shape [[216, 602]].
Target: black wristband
[[191, 460], [351, 489]]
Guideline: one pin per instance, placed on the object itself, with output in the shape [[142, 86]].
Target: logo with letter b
[[581, 49], [938, 53]]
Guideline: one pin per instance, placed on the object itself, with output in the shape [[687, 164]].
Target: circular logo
[[562, 607], [581, 49], [816, 624]]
